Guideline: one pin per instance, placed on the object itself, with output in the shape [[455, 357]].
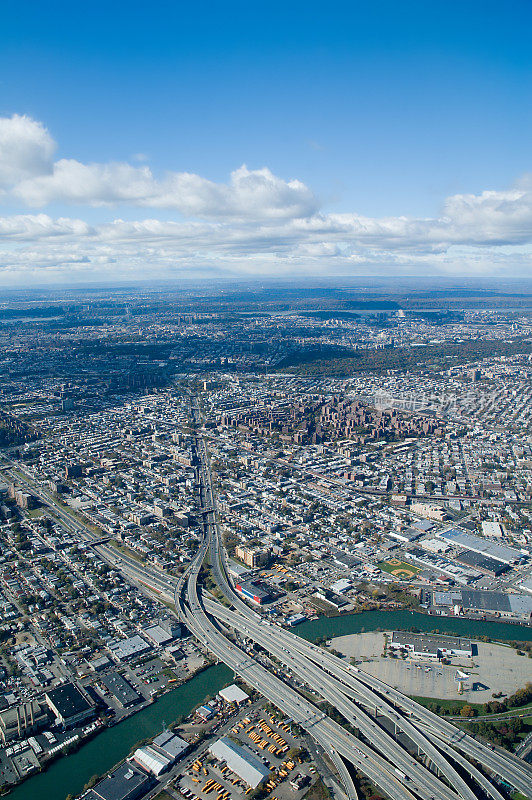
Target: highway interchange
[[380, 718]]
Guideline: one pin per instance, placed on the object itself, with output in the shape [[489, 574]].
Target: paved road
[[518, 774], [380, 757]]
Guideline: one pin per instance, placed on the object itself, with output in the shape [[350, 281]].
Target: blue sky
[[395, 138]]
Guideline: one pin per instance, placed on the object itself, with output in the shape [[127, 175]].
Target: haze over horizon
[[232, 142]]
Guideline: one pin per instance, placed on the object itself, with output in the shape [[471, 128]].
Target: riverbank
[[328, 627], [69, 774]]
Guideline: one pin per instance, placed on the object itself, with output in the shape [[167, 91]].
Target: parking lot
[[268, 739], [494, 668]]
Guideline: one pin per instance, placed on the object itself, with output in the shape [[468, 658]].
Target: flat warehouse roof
[[471, 542], [431, 642], [233, 694], [171, 744], [252, 588], [240, 761], [472, 559], [446, 598], [125, 648], [121, 689], [68, 700], [124, 782], [521, 604], [486, 601]]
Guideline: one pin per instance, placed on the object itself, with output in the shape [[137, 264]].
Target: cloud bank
[[255, 223]]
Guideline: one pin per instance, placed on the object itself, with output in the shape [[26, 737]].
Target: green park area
[[399, 569]]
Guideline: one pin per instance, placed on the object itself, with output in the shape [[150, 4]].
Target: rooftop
[[240, 761], [68, 700]]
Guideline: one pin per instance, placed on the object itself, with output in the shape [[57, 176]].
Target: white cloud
[[492, 216], [26, 149], [70, 249], [40, 226], [252, 194], [254, 222], [489, 218], [29, 174], [87, 184]]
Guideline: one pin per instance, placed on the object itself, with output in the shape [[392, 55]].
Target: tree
[[466, 711], [92, 782], [521, 697]]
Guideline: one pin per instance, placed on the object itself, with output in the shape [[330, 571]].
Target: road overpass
[[416, 722], [439, 769]]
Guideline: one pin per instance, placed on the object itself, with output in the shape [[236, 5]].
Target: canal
[[70, 773], [406, 620]]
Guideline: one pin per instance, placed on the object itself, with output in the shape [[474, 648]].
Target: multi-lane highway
[[341, 686], [436, 764]]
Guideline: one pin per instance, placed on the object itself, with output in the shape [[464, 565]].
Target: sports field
[[399, 569]]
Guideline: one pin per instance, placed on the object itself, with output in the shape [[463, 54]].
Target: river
[[405, 620], [70, 773]]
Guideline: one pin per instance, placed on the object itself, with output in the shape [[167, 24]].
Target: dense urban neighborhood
[[134, 429]]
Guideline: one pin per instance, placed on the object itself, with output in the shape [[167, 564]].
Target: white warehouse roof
[[233, 694], [501, 552], [240, 761], [151, 760]]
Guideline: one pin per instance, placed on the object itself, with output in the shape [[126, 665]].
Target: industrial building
[[499, 603], [151, 760], [345, 560], [121, 689], [429, 510], [205, 712], [501, 552], [127, 782], [20, 721], [161, 754], [341, 586], [240, 760], [124, 649], [485, 564], [252, 592], [493, 529], [158, 635], [332, 598], [431, 647], [233, 694], [69, 704], [171, 745]]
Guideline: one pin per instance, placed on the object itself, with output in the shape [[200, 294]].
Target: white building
[[151, 760], [492, 529], [233, 694], [240, 760]]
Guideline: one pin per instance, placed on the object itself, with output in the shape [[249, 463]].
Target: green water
[[404, 620], [70, 773]]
